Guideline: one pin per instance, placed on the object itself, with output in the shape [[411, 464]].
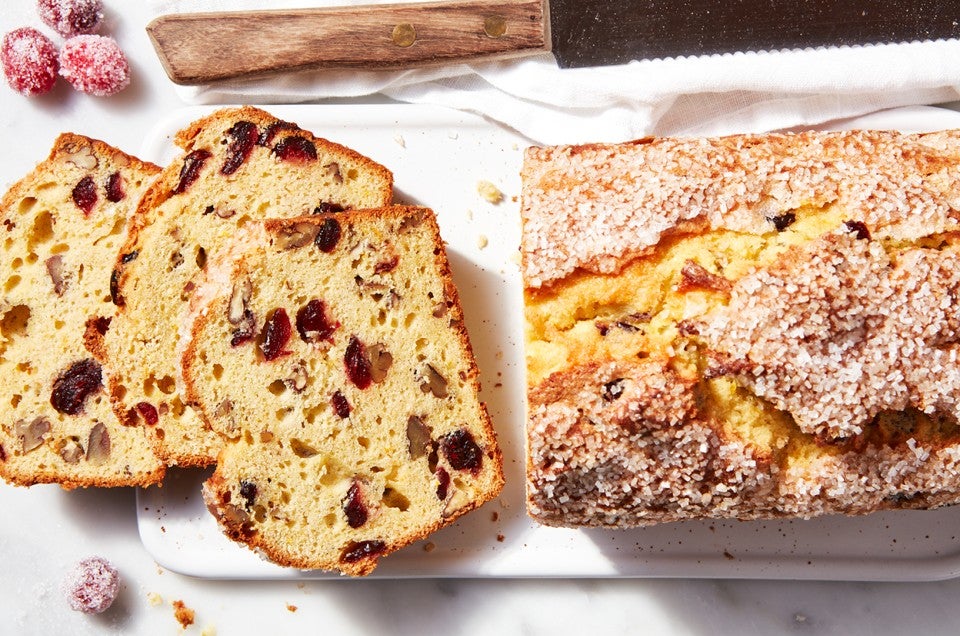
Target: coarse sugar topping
[[839, 330], [596, 207]]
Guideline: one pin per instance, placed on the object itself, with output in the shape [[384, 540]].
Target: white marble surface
[[44, 530]]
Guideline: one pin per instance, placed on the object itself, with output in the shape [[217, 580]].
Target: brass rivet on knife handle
[[495, 26], [404, 34]]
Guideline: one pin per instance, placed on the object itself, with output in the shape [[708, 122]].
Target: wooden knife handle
[[197, 48]]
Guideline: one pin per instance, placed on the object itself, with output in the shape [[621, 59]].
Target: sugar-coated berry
[[30, 61], [92, 585], [71, 17], [94, 64]]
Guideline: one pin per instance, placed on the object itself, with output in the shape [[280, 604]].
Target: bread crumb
[[501, 538], [494, 516], [154, 599], [429, 546], [209, 630], [489, 191], [291, 608], [469, 214], [183, 614], [482, 241]]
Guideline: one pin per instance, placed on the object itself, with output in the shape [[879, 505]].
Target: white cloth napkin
[[719, 94]]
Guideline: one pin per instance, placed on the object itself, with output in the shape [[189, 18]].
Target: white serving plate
[[437, 157]]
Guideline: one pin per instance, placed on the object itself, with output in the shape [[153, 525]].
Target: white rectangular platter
[[438, 157]]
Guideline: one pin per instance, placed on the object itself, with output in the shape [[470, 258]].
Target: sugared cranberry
[[360, 550], [115, 191], [148, 412], [328, 236], [248, 490], [443, 483], [95, 65], [72, 388], [92, 585], [353, 506], [266, 137], [71, 17], [357, 363], [461, 450], [296, 149], [190, 171], [340, 405], [85, 194], [276, 335], [858, 228], [243, 137], [30, 61], [312, 322]]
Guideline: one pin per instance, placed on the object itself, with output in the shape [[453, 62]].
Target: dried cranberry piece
[[326, 207], [85, 194], [266, 137], [461, 450], [72, 388], [357, 363], [443, 483], [783, 221], [243, 137], [276, 335], [360, 550], [354, 507], [312, 322], [190, 171], [328, 236], [115, 190], [340, 405], [296, 150], [248, 490], [148, 412], [859, 228]]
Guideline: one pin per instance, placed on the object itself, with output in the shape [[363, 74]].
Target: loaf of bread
[[743, 327], [330, 351], [63, 224], [238, 165]]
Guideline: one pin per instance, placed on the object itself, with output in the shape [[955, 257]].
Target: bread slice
[[63, 225], [238, 165], [747, 327], [331, 350]]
